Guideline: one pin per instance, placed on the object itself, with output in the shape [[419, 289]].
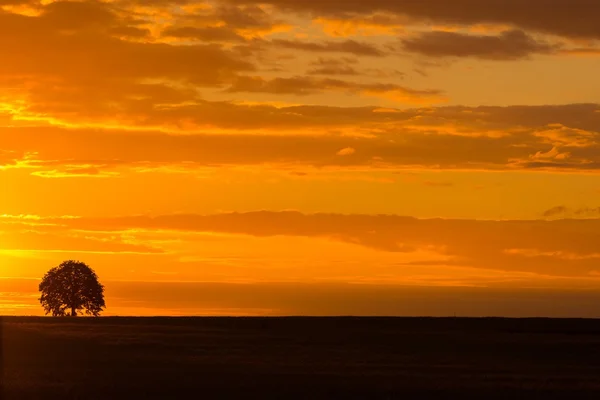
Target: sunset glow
[[242, 157]]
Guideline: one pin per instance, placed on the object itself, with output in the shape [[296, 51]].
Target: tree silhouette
[[71, 287]]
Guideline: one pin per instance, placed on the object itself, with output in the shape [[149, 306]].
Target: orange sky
[[341, 150]]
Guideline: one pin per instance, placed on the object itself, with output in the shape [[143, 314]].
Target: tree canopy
[[71, 288]]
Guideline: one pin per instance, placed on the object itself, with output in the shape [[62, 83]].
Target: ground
[[293, 358]]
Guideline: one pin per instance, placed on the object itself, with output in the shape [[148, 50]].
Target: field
[[293, 358]]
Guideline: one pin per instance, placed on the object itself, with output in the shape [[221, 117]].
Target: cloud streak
[[557, 248], [509, 45], [450, 138]]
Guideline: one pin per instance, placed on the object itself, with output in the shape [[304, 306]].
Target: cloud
[[69, 171], [564, 212], [114, 66], [55, 60], [221, 22], [442, 138], [554, 211], [8, 158], [552, 154], [136, 60], [124, 56], [333, 66], [559, 135], [207, 34], [553, 254], [582, 51], [554, 248], [250, 20], [361, 25], [346, 46], [569, 18], [346, 66], [39, 241], [301, 85], [509, 45], [346, 151]]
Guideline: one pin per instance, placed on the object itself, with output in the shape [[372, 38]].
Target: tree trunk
[[73, 312]]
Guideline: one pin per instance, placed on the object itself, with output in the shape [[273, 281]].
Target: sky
[[284, 157]]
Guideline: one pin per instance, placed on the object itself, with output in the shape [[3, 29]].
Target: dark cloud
[[155, 3], [573, 18], [588, 211], [346, 46], [78, 15], [564, 212], [41, 52], [129, 32], [256, 84], [302, 85], [207, 34], [554, 211], [509, 45], [18, 2], [246, 17], [87, 63], [333, 66]]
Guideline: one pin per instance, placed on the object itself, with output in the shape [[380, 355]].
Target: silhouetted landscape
[[299, 357]]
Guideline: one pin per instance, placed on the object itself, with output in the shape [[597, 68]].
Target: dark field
[[293, 358]]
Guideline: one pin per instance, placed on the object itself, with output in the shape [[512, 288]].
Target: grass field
[[292, 358]]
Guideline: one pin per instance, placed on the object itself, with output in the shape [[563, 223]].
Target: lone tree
[[71, 287]]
